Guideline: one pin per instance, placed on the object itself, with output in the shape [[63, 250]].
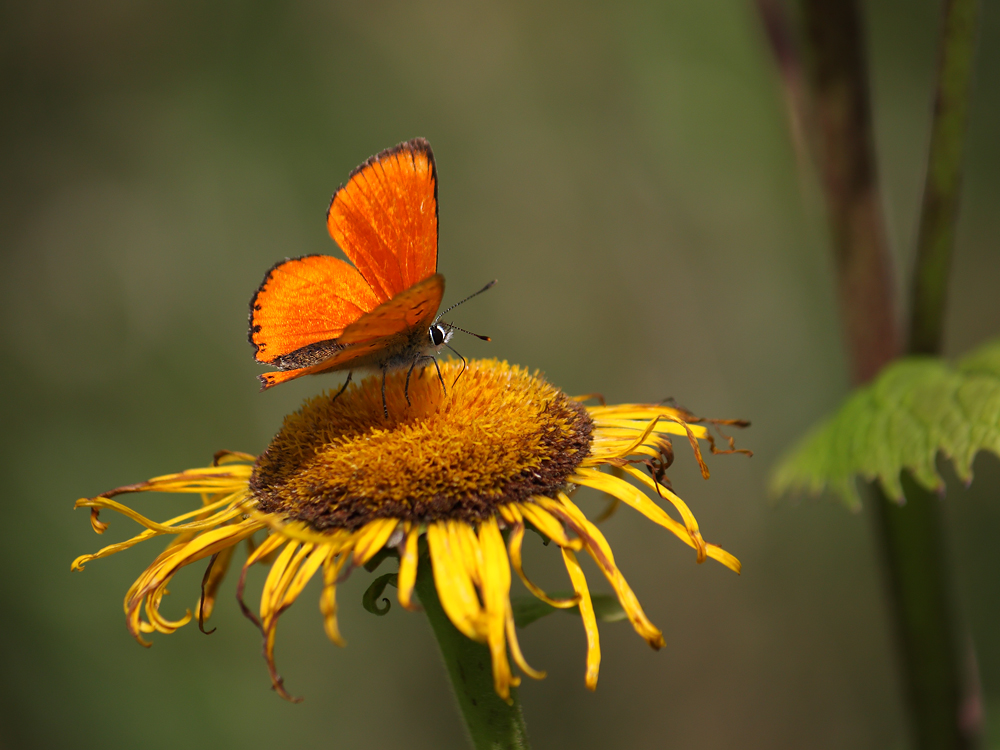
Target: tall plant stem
[[910, 536], [942, 695], [944, 168], [942, 715], [492, 723]]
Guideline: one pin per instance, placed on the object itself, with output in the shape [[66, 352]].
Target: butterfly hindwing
[[345, 359], [395, 329], [412, 308], [385, 218]]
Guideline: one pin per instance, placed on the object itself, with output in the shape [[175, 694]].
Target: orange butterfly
[[317, 313]]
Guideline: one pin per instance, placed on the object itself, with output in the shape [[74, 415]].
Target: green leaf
[[915, 408], [527, 609], [370, 598]]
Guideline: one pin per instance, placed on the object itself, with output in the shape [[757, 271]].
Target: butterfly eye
[[437, 333]]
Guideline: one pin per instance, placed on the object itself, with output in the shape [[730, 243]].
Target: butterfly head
[[440, 334]]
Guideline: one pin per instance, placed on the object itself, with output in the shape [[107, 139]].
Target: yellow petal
[[635, 498], [586, 615], [372, 538], [515, 541], [273, 583], [304, 574], [598, 548], [328, 600], [454, 586], [495, 588], [407, 575], [515, 650], [547, 524], [174, 525]]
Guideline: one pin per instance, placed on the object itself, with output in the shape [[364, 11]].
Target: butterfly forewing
[[303, 301], [379, 337], [385, 218]]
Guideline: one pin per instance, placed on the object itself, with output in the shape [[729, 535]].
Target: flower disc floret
[[500, 435]]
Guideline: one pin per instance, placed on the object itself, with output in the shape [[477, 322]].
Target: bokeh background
[[626, 172]]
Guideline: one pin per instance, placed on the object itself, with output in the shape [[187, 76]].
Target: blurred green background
[[625, 171]]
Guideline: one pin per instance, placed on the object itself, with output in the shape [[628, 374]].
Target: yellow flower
[[471, 468]]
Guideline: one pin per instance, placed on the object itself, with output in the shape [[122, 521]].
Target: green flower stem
[[926, 634], [944, 168], [492, 723]]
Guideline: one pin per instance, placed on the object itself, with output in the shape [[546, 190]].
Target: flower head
[[469, 469]]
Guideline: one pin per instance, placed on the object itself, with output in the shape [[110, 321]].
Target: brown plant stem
[[780, 35], [838, 78]]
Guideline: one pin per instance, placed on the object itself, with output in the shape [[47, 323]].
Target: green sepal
[[527, 609], [379, 557], [915, 408], [371, 595]]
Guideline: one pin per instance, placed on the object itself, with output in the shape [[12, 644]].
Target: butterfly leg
[[417, 361], [438, 368], [385, 409], [343, 388], [406, 389], [465, 363]]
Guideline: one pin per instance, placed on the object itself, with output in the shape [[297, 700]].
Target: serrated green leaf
[[917, 407], [527, 609]]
